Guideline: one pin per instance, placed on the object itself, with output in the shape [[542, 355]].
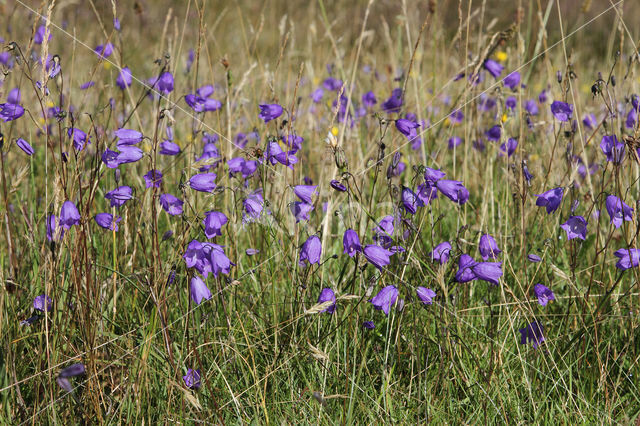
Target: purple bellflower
[[544, 294], [385, 299]]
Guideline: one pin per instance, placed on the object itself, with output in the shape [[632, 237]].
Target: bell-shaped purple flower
[[171, 204], [80, 138], [199, 290], [488, 271], [104, 50], [69, 215], [153, 179], [612, 148], [351, 242], [192, 379], [534, 258], [25, 146], [550, 199], [42, 303], [305, 192], [544, 294], [562, 111], [410, 200], [311, 250], [73, 370], [407, 128], [213, 222], [219, 260], [369, 99], [128, 137], [51, 229], [440, 253], [300, 210], [129, 154], [508, 147], [106, 221], [119, 196], [618, 211], [425, 295], [488, 247], [165, 83], [385, 299], [512, 80], [453, 190], [394, 102], [270, 112], [532, 333], [494, 133], [169, 148], [576, 227], [10, 112], [494, 68], [124, 79], [377, 255], [629, 258], [327, 295], [465, 269], [203, 182]]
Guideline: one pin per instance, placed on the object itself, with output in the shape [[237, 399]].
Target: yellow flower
[[106, 65], [334, 130], [501, 55], [505, 117]]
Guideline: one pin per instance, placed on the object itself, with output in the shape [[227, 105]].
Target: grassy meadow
[[323, 212]]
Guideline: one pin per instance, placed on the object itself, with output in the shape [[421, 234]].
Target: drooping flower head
[[192, 379], [124, 79], [410, 200], [494, 68], [10, 112], [488, 247], [153, 179], [106, 221], [119, 196], [532, 333], [512, 80], [270, 112], [488, 271], [618, 211], [465, 269], [42, 303], [199, 290], [351, 242], [171, 204], [629, 258], [69, 215], [25, 146], [544, 294], [562, 111], [441, 252], [327, 295], [203, 182], [385, 299], [311, 250], [576, 227], [425, 295], [550, 199], [305, 192], [612, 148], [377, 256]]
